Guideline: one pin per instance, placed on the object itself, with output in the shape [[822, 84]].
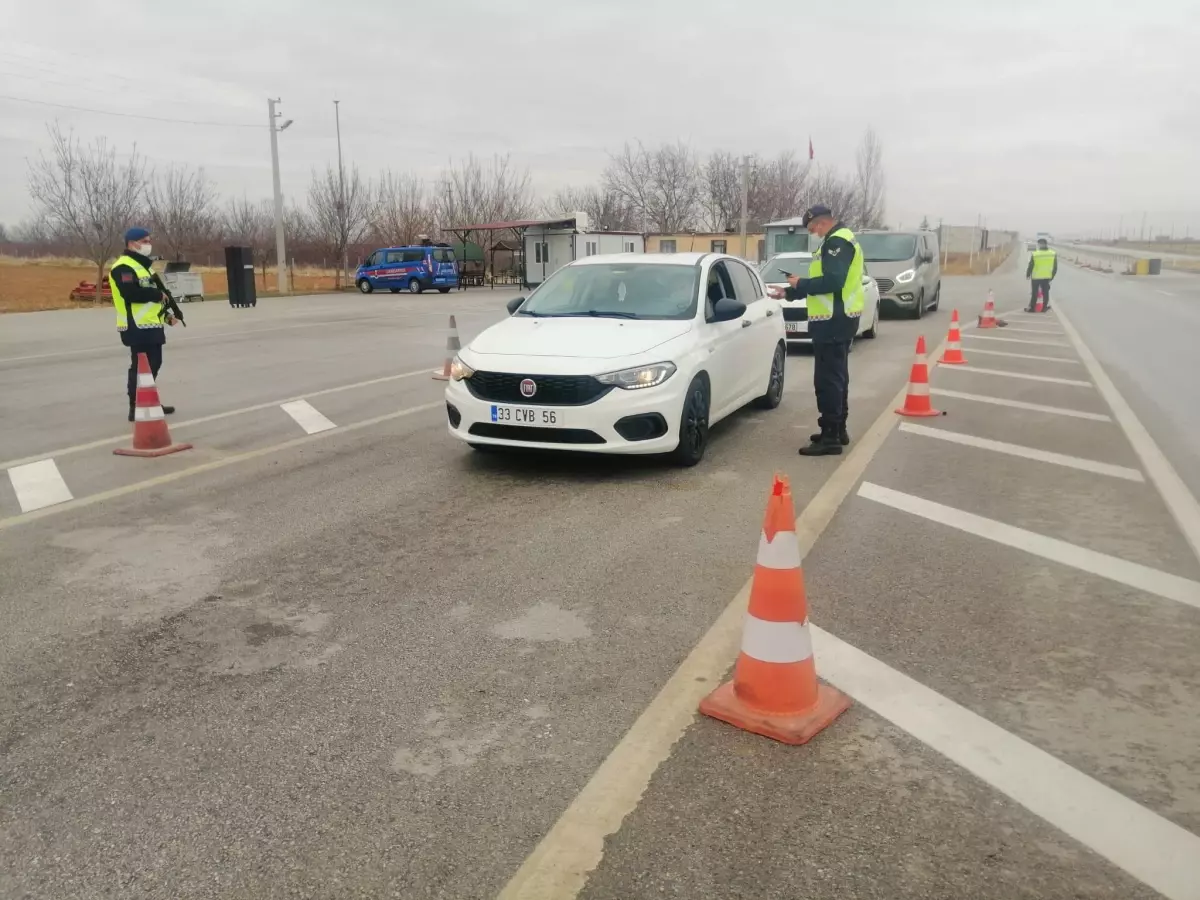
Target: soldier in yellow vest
[[835, 303], [139, 301], [1043, 266]]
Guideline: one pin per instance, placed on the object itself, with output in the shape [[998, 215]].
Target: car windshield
[[888, 247], [617, 290], [775, 271]]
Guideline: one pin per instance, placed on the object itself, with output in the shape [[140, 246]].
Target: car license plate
[[525, 415], [792, 327]]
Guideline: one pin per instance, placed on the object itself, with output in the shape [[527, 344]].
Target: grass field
[[28, 285], [983, 263]]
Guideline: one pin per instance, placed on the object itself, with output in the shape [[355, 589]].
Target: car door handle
[[746, 323]]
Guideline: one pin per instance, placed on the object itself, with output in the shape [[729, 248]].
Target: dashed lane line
[[1019, 404], [307, 416], [1046, 456], [993, 337], [1010, 330], [1034, 356], [1004, 373], [1134, 575], [38, 485]]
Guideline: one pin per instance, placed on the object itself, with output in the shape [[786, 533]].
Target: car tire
[[873, 332], [414, 286], [919, 312], [443, 290], [365, 286], [693, 424], [937, 298], [774, 395]]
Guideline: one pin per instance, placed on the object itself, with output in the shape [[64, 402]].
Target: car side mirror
[[726, 310], [514, 304]]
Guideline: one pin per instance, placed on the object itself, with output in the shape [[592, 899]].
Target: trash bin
[[239, 274], [1142, 267], [1155, 267]]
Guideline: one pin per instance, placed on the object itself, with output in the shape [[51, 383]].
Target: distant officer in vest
[[1043, 266], [138, 298], [835, 303]]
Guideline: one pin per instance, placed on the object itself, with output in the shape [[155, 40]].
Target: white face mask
[[145, 249]]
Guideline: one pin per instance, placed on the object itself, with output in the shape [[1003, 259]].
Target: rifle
[[169, 302]]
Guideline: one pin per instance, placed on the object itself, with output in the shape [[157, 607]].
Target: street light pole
[[281, 276], [342, 224]]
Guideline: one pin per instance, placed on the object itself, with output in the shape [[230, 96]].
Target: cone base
[[919, 414], [160, 451], [439, 375], [951, 362], [992, 325], [795, 728]]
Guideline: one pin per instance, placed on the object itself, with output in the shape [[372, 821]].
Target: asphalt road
[[371, 663]]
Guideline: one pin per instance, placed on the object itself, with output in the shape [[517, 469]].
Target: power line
[[105, 112]]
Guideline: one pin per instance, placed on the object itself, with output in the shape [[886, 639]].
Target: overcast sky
[[1056, 115]]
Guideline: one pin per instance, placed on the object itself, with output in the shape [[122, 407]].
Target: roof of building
[[797, 221]]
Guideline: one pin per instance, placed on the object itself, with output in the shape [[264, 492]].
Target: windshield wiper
[[602, 314]]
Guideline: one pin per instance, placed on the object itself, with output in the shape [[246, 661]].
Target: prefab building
[[552, 244], [787, 236]]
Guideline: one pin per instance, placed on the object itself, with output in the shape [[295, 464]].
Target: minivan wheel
[[774, 395], [693, 425], [873, 332], [365, 286], [414, 285], [937, 298], [920, 310]]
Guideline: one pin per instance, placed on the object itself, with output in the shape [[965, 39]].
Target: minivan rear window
[[443, 255], [887, 247]]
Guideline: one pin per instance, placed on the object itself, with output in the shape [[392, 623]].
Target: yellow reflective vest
[[145, 315], [820, 306], [1043, 265]]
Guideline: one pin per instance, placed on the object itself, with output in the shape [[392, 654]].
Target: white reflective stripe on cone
[[145, 379], [781, 553], [776, 642], [147, 413], [918, 389]]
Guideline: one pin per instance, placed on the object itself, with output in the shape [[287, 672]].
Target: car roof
[[792, 254], [644, 259]]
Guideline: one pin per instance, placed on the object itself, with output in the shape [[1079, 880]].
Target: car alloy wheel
[[414, 286], [774, 395], [693, 425], [365, 286]]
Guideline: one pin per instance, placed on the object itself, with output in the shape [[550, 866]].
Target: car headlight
[[460, 370], [639, 376], [906, 276]]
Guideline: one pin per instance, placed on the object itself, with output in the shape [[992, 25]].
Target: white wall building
[[552, 244]]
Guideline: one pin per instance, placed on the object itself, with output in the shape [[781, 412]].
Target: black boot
[[824, 444], [843, 436]]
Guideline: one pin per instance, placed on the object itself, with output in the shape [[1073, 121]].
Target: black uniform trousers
[[1034, 284], [831, 380], [154, 353]]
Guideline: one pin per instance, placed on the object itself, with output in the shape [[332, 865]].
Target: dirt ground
[[31, 285], [982, 264]]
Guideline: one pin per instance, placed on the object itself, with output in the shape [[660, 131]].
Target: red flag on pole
[[811, 155]]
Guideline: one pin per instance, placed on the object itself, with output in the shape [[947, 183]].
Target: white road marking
[[992, 337], [1010, 330], [1174, 492], [175, 426], [1058, 459], [1152, 849], [306, 416], [1165, 293], [38, 485], [1018, 404], [1057, 359], [1070, 382], [1135, 575]]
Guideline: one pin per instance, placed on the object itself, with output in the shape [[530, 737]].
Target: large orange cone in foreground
[[916, 401], [953, 355], [775, 691], [150, 434]]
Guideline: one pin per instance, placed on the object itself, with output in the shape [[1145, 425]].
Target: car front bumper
[[594, 427]]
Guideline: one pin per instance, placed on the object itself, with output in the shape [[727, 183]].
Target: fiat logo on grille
[[528, 387]]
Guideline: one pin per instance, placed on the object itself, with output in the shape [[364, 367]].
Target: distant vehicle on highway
[[622, 354], [774, 273], [412, 269], [908, 268]]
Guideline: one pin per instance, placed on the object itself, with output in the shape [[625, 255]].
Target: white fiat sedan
[[631, 353]]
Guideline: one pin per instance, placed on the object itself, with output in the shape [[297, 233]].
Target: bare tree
[[404, 210], [777, 188], [85, 193], [183, 210], [606, 210], [831, 189], [721, 192], [3, 233], [662, 185], [870, 182], [475, 193], [339, 216]]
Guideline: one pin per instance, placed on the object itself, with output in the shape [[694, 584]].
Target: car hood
[[575, 338]]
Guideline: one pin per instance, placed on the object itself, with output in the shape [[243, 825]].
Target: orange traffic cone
[[775, 691], [953, 355], [1039, 307], [916, 403], [150, 434], [988, 319], [452, 348]]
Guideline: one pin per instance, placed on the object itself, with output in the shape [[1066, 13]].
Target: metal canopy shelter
[[517, 227]]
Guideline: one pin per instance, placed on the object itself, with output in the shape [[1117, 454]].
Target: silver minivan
[[907, 268]]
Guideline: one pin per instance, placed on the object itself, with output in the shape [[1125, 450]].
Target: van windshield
[[887, 247]]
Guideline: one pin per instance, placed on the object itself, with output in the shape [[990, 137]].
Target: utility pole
[[745, 203], [281, 277], [1143, 228], [343, 225]]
